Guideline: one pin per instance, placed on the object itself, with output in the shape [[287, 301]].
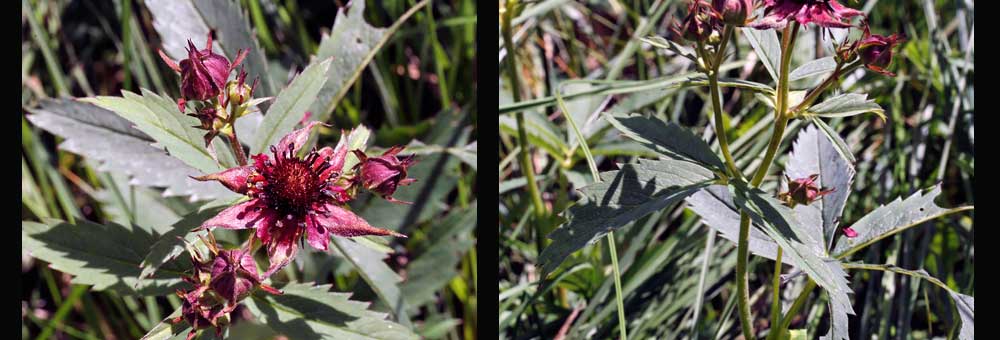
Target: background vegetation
[[676, 274]]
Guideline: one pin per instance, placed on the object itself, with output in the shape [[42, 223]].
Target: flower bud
[[383, 174], [234, 275], [733, 12], [803, 191], [876, 51]]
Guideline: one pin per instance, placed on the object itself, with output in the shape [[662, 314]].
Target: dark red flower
[[876, 51], [825, 13], [803, 191], [733, 12], [383, 174], [292, 198]]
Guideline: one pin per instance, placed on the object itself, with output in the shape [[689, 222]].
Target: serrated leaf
[[813, 68], [807, 252], [715, 206], [382, 279], [835, 138], [157, 116], [621, 197], [176, 21], [104, 256], [170, 245], [166, 329], [892, 218], [314, 312], [966, 311], [660, 42], [352, 44], [290, 106], [102, 136], [838, 323], [438, 263], [815, 154], [768, 48], [670, 140], [845, 105]]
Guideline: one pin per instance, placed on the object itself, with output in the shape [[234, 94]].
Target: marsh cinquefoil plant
[[285, 197], [800, 224]]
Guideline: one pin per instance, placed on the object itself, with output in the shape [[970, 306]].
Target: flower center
[[292, 186]]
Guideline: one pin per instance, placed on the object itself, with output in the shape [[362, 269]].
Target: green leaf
[[157, 116], [815, 154], [105, 256], [541, 132], [892, 218], [168, 330], [170, 245], [102, 136], [290, 106], [437, 327], [176, 21], [357, 139], [438, 263], [626, 86], [622, 197], [845, 105], [834, 137], [314, 312], [382, 279], [813, 68], [670, 140], [964, 304], [351, 44], [838, 323], [715, 206], [802, 249], [768, 48], [966, 311], [660, 42]]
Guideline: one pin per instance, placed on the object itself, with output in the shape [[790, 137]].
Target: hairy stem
[[234, 143], [742, 285]]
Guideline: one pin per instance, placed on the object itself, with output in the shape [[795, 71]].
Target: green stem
[[522, 135], [623, 335], [742, 284], [776, 297], [742, 248], [796, 306]]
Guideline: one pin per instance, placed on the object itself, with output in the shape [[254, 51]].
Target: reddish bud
[[383, 174]]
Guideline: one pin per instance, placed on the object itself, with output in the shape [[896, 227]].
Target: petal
[[294, 140], [343, 222], [340, 153], [249, 214], [234, 179], [282, 249], [317, 236]]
